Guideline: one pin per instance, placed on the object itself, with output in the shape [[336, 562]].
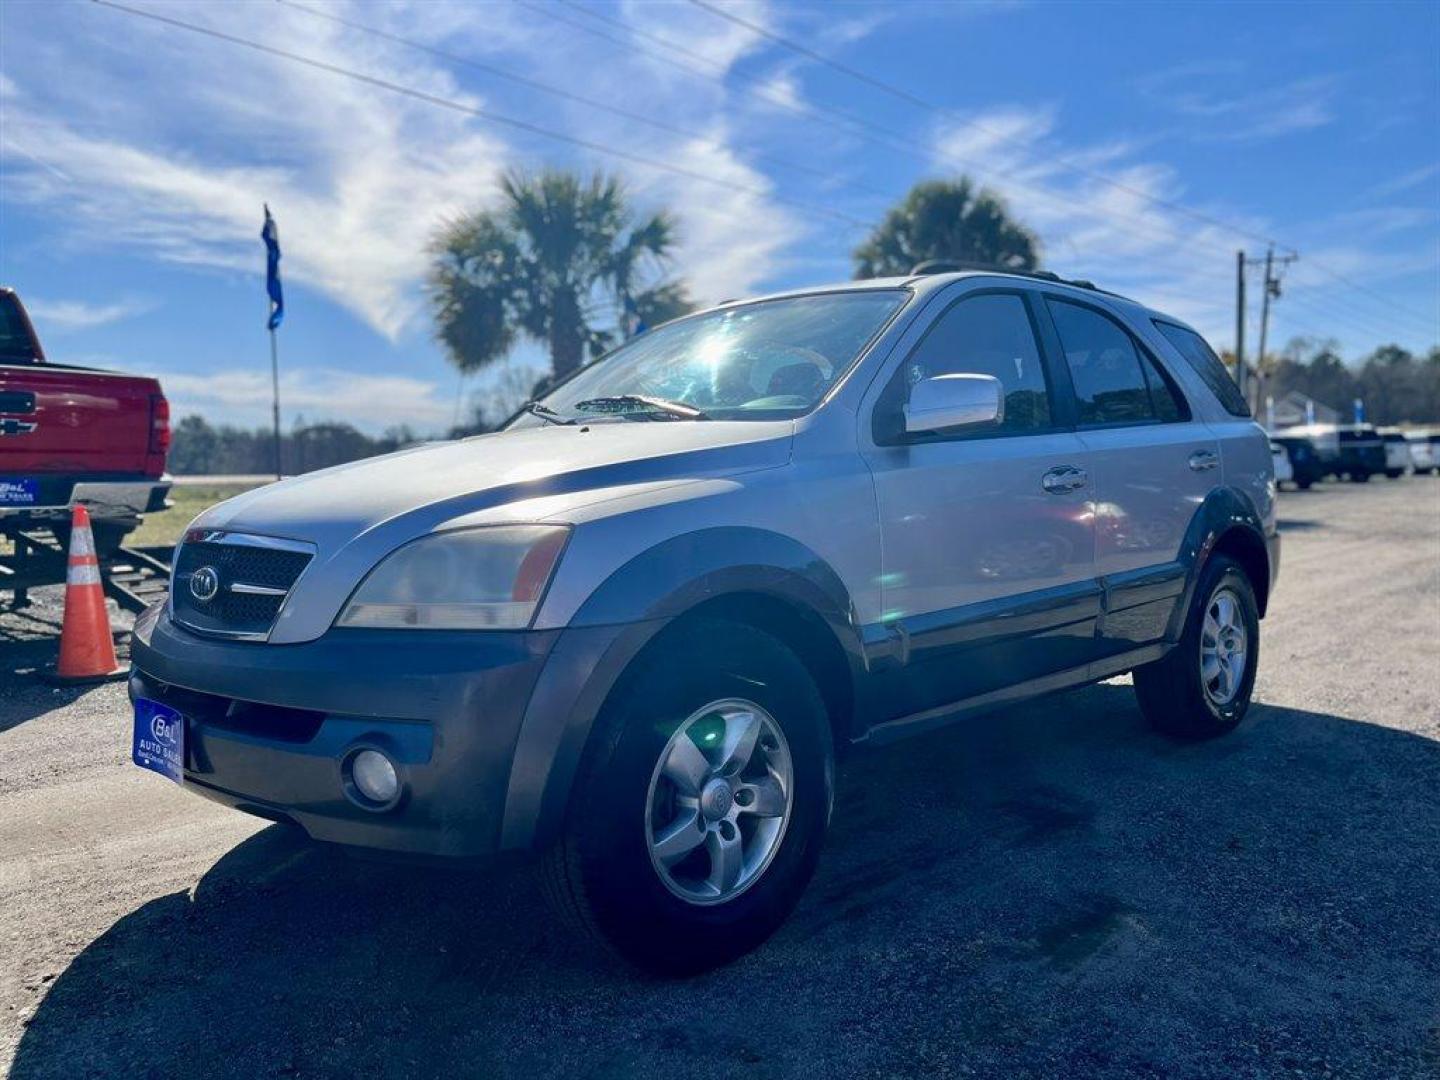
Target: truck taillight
[[159, 424]]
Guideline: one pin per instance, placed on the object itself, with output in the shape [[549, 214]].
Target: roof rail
[[951, 266]]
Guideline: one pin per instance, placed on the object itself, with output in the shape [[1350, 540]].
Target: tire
[[1304, 483], [1360, 477], [1394, 474], [603, 877], [1173, 691]]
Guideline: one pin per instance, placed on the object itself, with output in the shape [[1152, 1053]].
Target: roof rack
[[951, 266]]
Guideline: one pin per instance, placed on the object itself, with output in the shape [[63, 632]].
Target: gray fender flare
[[623, 615], [1225, 511]]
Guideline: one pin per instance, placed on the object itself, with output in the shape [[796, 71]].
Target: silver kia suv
[[633, 631]]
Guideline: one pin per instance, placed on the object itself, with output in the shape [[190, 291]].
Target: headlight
[[490, 578]]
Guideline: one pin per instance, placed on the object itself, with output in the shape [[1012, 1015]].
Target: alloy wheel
[[1223, 647], [719, 801]]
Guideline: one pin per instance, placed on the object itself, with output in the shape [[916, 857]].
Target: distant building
[[1297, 408]]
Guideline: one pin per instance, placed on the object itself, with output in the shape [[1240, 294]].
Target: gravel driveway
[[1051, 890]]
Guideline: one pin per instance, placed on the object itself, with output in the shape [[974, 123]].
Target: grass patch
[[189, 499]]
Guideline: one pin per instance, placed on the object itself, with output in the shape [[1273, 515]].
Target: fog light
[[375, 777]]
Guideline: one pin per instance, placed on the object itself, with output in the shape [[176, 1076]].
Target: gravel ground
[[1050, 890]]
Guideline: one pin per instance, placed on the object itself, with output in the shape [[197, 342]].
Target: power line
[[1431, 322], [489, 115], [1320, 311], [837, 119], [593, 103], [567, 95], [476, 111], [908, 97], [914, 99], [848, 122]]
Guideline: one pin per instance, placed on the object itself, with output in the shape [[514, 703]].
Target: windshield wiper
[[547, 413], [616, 405]]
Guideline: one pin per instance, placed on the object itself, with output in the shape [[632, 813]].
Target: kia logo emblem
[[204, 584]]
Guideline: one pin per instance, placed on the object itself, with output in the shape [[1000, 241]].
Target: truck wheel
[[1202, 687], [702, 805], [1303, 483], [1360, 477]]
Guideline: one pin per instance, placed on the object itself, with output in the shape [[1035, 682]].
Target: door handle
[[1201, 460], [1064, 478]]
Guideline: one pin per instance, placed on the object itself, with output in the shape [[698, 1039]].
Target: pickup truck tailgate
[[67, 420]]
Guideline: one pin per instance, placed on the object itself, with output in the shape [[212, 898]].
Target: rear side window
[[16, 344], [1207, 365], [1115, 381], [989, 334]]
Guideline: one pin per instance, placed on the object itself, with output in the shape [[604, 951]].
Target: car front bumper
[[268, 727]]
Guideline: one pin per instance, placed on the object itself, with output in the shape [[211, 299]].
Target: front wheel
[[1202, 687], [700, 812]]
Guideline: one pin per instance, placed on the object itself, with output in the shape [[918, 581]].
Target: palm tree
[[560, 253], [939, 219]]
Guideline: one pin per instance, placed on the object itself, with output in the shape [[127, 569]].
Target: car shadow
[[1048, 890]]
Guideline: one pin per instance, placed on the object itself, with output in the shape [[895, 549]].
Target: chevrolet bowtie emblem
[[16, 427]]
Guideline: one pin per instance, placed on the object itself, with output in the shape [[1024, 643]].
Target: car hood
[[356, 514]]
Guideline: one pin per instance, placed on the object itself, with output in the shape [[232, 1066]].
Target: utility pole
[[1240, 321], [1271, 290]]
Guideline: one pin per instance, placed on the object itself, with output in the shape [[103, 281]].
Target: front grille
[[239, 564]]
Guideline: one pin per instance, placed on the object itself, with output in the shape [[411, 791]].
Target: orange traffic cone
[[87, 651]]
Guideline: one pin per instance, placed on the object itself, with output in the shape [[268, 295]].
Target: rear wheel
[[699, 816], [1202, 687]]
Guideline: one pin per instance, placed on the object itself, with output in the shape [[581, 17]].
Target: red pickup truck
[[73, 435]]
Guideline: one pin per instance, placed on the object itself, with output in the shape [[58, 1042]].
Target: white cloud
[[357, 178], [370, 402], [1115, 234], [731, 239], [1407, 180], [1300, 105], [1128, 234], [83, 315]]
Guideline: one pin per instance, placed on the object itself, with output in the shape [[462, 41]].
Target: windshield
[[769, 360]]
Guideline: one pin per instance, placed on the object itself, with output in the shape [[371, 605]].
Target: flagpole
[[275, 387]]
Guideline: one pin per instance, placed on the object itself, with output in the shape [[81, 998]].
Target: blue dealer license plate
[[159, 743], [19, 492]]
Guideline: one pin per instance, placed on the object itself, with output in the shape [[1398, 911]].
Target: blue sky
[[134, 158]]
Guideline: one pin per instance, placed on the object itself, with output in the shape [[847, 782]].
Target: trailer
[[134, 578]]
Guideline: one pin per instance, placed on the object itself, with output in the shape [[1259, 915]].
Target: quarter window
[[1207, 365], [988, 334], [1115, 381]]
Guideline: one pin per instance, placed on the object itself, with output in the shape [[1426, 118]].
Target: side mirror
[[952, 401]]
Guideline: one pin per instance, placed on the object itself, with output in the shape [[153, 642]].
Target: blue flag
[[271, 235]]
